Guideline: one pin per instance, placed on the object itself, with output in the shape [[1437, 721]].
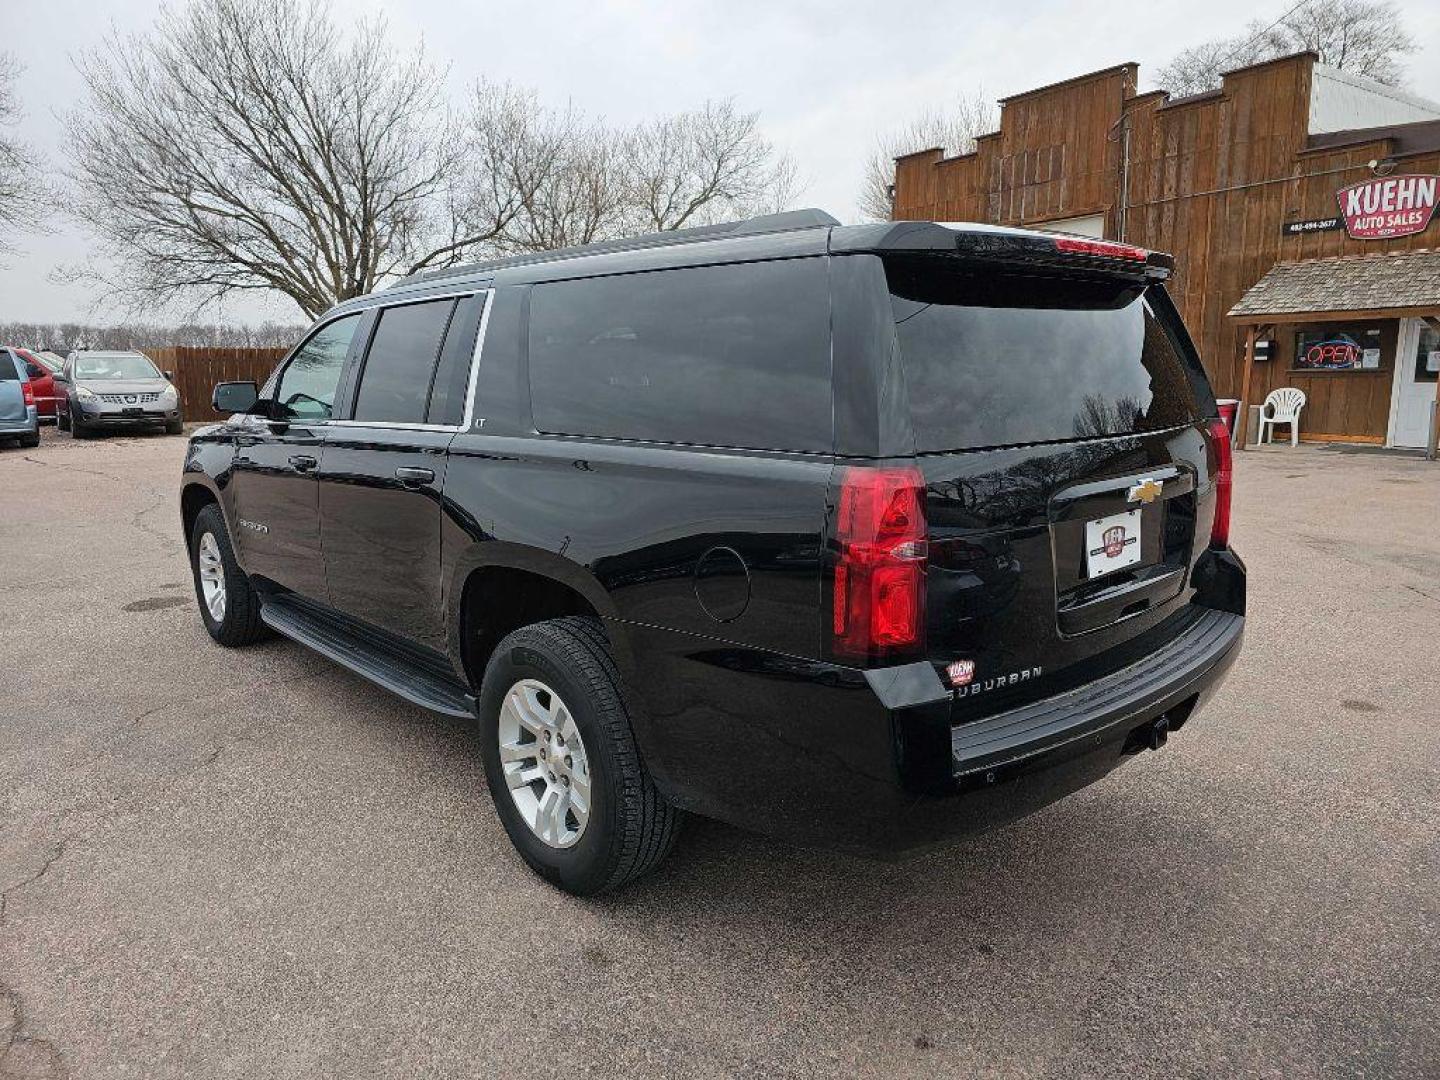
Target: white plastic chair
[[1283, 406]]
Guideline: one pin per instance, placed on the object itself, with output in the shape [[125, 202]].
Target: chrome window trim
[[467, 419]]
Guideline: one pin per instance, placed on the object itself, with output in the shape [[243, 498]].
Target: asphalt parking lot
[[254, 864]]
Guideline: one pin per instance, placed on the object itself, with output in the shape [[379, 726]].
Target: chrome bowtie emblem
[[1146, 491]]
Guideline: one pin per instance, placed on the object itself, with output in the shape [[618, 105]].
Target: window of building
[[1427, 356], [1338, 347]]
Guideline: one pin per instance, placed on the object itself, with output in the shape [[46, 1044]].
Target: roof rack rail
[[787, 221]]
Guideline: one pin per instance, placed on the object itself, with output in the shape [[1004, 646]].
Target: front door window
[[308, 384]]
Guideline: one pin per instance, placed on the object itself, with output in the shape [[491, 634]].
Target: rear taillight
[[1224, 472], [1105, 248], [879, 584], [28, 392]]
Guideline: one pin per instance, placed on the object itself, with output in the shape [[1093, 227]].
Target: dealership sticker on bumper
[[1112, 543]]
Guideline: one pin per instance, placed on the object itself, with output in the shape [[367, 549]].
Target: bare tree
[[62, 337], [250, 145], [23, 192], [1365, 37], [579, 180], [247, 145], [695, 168], [562, 168], [953, 130]]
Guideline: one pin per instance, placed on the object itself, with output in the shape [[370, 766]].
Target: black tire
[[77, 427], [631, 827], [30, 442], [175, 427], [62, 417], [241, 624]]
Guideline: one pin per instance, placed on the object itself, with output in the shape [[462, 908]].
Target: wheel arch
[[195, 495], [516, 585]]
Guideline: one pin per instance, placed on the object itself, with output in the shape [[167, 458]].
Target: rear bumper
[[10, 429], [809, 751]]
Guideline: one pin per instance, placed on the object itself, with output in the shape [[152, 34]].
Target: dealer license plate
[[1112, 543]]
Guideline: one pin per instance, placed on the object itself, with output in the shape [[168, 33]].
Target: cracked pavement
[[253, 864]]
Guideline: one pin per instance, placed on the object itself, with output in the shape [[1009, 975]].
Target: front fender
[[207, 467]]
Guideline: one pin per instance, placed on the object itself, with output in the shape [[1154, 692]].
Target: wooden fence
[[197, 370]]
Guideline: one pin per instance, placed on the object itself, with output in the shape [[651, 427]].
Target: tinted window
[[722, 356], [396, 380], [9, 368], [308, 383], [993, 359], [452, 375]]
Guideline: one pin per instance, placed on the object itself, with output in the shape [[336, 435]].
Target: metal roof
[[1348, 283]]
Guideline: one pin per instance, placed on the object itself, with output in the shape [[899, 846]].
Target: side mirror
[[234, 397], [169, 376]]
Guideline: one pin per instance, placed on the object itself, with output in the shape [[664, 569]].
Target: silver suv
[[115, 390]]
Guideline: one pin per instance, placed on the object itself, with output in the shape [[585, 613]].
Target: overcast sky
[[826, 77]]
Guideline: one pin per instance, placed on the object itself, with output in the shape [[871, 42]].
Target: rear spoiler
[[1015, 246], [1067, 251]]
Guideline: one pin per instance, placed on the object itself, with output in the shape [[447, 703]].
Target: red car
[[42, 379]]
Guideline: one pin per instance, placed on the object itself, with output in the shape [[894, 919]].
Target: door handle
[[302, 462], [414, 477]]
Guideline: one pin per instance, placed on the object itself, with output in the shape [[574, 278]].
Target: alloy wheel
[[212, 576], [545, 764]]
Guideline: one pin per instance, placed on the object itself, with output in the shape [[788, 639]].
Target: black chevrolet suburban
[[859, 535]]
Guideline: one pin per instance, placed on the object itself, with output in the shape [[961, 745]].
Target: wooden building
[[1290, 176]]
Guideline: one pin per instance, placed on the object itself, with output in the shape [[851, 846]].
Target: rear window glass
[[733, 355], [999, 359], [9, 368]]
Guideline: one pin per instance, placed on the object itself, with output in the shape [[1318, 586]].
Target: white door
[[1417, 365]]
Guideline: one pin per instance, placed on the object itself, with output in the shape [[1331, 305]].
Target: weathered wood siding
[[1211, 179]]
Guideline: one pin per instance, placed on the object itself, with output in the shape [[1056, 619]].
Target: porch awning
[[1391, 286]]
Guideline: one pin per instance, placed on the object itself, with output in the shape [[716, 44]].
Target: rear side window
[[395, 381], [452, 375], [733, 355], [994, 359], [9, 367]]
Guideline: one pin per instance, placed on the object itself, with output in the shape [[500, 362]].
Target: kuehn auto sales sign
[[1389, 207]]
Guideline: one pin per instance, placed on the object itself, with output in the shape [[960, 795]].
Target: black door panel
[[380, 521], [277, 533], [721, 544], [277, 457]]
